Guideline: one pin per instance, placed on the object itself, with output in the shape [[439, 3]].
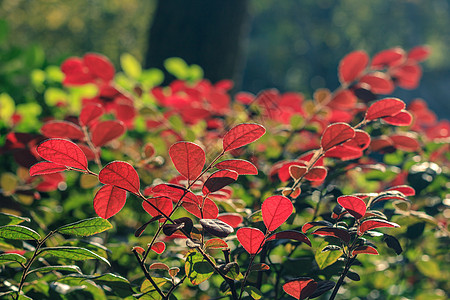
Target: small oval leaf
[[218, 180], [352, 65], [188, 158], [354, 206], [62, 129], [241, 135], [251, 239], [106, 131], [46, 167], [300, 288], [242, 167], [275, 211], [85, 227], [109, 200], [120, 174], [18, 232], [63, 152], [336, 134], [384, 108]]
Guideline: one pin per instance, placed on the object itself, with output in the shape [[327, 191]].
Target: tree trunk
[[209, 33]]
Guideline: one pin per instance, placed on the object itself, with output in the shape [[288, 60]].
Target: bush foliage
[[126, 189]]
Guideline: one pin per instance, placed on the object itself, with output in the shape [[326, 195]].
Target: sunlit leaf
[[120, 174], [275, 211], [85, 227], [197, 268], [63, 152], [241, 135], [18, 232], [300, 288], [109, 200]]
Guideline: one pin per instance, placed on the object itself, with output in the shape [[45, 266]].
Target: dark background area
[[289, 45]]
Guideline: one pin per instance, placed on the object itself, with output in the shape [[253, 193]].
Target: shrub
[[208, 195]]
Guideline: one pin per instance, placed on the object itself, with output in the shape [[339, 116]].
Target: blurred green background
[[290, 45]]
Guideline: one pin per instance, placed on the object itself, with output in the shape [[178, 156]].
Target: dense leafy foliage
[[184, 191]]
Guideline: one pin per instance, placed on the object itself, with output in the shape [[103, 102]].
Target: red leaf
[[106, 131], [290, 234], [381, 144], [159, 247], [296, 171], [120, 174], [188, 158], [364, 250], [344, 99], [99, 66], [316, 174], [275, 211], [333, 231], [218, 180], [354, 206], [352, 65], [344, 152], [388, 58], [90, 113], [62, 129], [251, 239], [90, 155], [405, 142], [283, 172], [360, 141], [403, 118], [300, 288], [164, 204], [232, 219], [384, 108], [174, 192], [407, 76], [45, 167], [216, 244], [241, 135], [109, 200], [380, 83], [209, 211], [242, 167], [309, 225], [75, 72], [374, 223], [244, 98], [50, 182], [63, 152], [336, 134], [419, 53], [404, 189], [158, 266]]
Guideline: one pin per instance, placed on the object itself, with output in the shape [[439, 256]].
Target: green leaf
[[253, 292], [8, 183], [197, 268], [74, 269], [12, 257], [8, 219], [231, 270], [73, 253], [327, 258], [119, 285], [152, 77], [86, 227], [130, 65], [177, 67], [7, 107], [150, 291], [18, 232]]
